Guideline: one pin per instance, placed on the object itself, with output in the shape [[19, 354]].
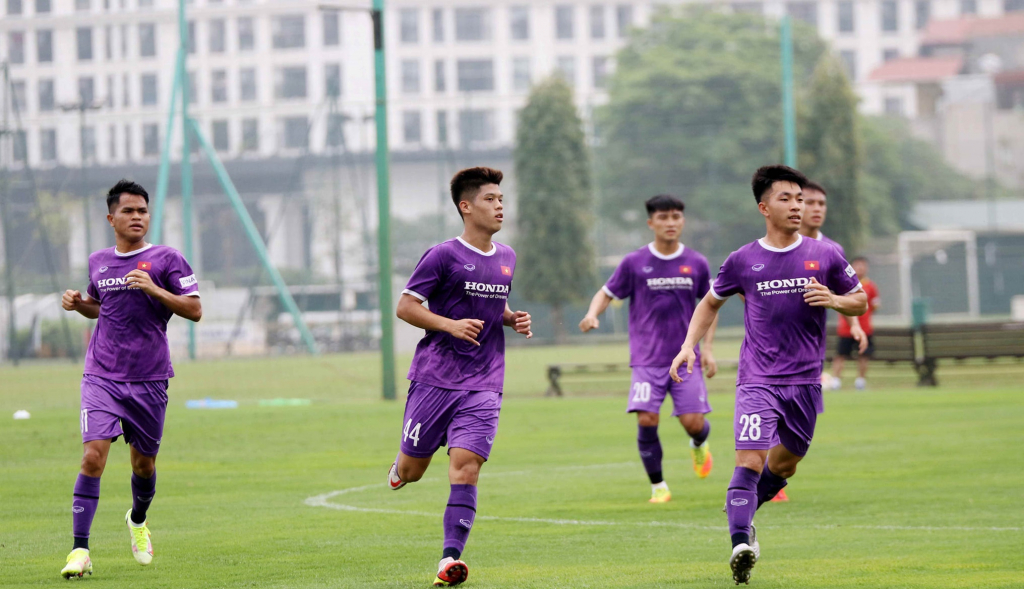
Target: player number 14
[[412, 432], [751, 427]]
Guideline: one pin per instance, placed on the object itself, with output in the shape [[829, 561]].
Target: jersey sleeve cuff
[[857, 288], [422, 298], [609, 292], [712, 292], [194, 293]]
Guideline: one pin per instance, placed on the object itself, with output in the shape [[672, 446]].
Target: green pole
[[186, 162], [163, 176], [788, 108], [254, 236], [387, 328]]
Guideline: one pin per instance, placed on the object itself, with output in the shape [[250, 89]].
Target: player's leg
[[800, 406], [779, 467], [143, 422], [428, 412], [690, 404], [862, 365], [646, 395], [844, 350]]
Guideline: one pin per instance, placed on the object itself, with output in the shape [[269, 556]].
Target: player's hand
[[818, 295], [521, 322], [467, 330], [71, 300], [141, 280], [857, 333], [589, 323], [708, 363], [685, 356]]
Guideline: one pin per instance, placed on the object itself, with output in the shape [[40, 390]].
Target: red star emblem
[[812, 265], [145, 266]]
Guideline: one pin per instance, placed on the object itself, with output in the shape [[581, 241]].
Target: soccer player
[[846, 338], [663, 280], [458, 368], [815, 210], [134, 289], [788, 282]]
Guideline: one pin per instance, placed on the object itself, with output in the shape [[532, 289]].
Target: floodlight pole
[[788, 108]]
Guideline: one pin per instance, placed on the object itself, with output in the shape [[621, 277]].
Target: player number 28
[[641, 392], [412, 432], [751, 427]]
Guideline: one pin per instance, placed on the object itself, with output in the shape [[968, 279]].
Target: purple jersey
[[823, 238], [785, 337], [458, 281], [663, 292], [130, 341]]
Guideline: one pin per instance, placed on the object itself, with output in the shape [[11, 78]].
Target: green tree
[[554, 211], [831, 151]]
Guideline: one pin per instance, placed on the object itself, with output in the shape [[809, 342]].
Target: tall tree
[[554, 211], [831, 151]]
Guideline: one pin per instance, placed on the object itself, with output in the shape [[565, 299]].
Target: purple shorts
[[133, 409], [768, 415], [436, 417], [652, 385]]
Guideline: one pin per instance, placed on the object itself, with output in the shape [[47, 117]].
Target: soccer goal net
[[942, 268]]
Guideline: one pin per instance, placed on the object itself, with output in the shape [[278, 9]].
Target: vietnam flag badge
[[686, 270], [145, 266], [812, 265], [506, 271]]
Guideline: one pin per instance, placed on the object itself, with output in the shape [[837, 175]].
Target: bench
[[606, 369]]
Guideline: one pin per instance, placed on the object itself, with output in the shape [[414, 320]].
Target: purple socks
[[458, 519], [83, 508], [741, 503], [650, 452], [142, 496], [703, 435], [769, 485]]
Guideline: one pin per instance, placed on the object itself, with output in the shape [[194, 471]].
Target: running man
[[458, 368], [788, 282], [664, 280], [134, 289]]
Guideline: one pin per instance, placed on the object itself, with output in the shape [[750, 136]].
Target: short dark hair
[[123, 186], [812, 185], [765, 176], [860, 259], [664, 202], [470, 180]]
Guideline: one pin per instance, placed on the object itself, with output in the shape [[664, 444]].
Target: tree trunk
[[558, 322]]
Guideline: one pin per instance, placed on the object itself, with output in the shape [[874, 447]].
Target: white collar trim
[[132, 253], [820, 237], [662, 256], [793, 246], [494, 248]]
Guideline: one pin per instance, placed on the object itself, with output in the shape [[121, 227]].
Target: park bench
[[602, 370]]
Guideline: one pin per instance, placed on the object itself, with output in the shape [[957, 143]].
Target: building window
[[894, 106], [968, 6], [48, 145], [1013, 5], [247, 84], [566, 67], [150, 90], [332, 29], [108, 42], [412, 126], [193, 87], [144, 4], [127, 142], [112, 142], [191, 36], [437, 18], [890, 16], [623, 19], [42, 6], [439, 79], [83, 38], [20, 141], [82, 5], [564, 21], [88, 144], [221, 140], [597, 30], [218, 86], [86, 90], [125, 92], [16, 47], [217, 31], [46, 101], [18, 95], [519, 22], [442, 127], [521, 75], [332, 80], [846, 18], [289, 32], [922, 12], [44, 46], [13, 7], [147, 40], [336, 130], [475, 75], [109, 99], [476, 126], [246, 34], [890, 54], [472, 24], [600, 71], [409, 25], [150, 139], [805, 11], [410, 76], [124, 41], [294, 133], [290, 82], [849, 59], [250, 135]]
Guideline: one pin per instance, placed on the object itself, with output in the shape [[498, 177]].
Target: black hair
[[765, 176], [664, 202], [470, 180], [123, 186], [812, 185]]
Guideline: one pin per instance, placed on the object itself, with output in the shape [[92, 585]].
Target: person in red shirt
[[847, 344]]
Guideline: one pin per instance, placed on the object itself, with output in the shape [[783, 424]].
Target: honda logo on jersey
[[145, 266], [685, 270], [812, 265]]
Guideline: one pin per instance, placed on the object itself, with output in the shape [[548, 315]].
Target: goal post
[[916, 246]]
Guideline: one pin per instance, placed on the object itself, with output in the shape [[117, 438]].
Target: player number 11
[[414, 433]]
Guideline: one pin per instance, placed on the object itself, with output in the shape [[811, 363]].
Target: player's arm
[[851, 305], [519, 321], [703, 318], [189, 307], [707, 356], [598, 305], [85, 306], [412, 311]]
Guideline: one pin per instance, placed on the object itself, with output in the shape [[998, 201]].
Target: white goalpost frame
[[970, 241]]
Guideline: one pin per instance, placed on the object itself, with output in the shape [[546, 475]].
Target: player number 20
[[412, 432], [641, 392], [751, 427]]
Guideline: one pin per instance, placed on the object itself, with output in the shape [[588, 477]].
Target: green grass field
[[903, 487]]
